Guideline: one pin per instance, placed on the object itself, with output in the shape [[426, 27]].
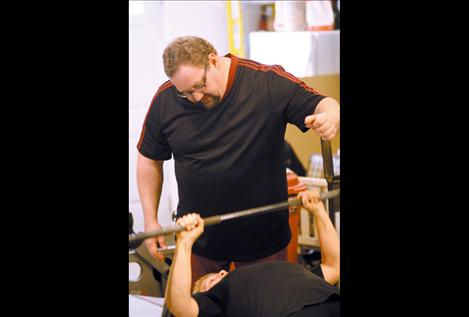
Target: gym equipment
[[153, 273], [333, 181], [137, 239]]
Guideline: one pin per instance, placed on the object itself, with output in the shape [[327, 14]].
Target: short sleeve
[[208, 305], [296, 99], [152, 143]]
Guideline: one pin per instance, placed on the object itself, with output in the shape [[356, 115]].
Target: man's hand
[[326, 119], [152, 243], [322, 124], [193, 225], [311, 201]]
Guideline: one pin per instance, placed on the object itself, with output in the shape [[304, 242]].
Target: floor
[[145, 306]]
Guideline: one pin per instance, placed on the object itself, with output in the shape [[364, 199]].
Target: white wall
[[149, 33]]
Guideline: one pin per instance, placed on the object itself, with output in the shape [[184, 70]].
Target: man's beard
[[210, 101]]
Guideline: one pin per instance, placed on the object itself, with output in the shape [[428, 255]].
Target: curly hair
[[186, 50]]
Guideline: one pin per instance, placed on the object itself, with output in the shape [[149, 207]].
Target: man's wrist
[[150, 220], [318, 212], [185, 244]]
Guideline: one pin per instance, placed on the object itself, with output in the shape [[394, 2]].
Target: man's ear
[[213, 59]]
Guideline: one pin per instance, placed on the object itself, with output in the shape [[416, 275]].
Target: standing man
[[224, 119]]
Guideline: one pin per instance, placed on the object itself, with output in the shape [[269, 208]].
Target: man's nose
[[197, 95]]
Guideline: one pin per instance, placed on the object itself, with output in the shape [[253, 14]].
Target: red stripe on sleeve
[[231, 74], [278, 70], [163, 87]]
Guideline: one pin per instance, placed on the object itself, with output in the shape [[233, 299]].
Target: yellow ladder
[[234, 17]]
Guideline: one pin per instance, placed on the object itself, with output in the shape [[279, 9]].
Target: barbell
[[136, 239]]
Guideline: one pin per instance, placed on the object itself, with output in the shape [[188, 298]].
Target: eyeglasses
[[198, 87]]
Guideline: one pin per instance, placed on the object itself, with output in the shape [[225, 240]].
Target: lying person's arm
[[328, 238], [178, 291]]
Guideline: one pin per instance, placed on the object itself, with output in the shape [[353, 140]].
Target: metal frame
[[307, 233]]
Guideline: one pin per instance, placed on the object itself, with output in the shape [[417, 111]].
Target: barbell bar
[[136, 239]]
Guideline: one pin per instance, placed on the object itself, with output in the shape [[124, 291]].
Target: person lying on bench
[[276, 288]]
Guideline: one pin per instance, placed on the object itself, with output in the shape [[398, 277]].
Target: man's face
[[212, 280], [193, 83]]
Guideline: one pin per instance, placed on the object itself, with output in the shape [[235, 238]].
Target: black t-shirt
[[266, 289], [231, 157]]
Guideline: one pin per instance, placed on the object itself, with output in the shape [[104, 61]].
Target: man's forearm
[[178, 291], [149, 183], [328, 239]]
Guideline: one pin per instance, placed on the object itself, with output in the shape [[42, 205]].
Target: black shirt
[[231, 157], [266, 289]]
